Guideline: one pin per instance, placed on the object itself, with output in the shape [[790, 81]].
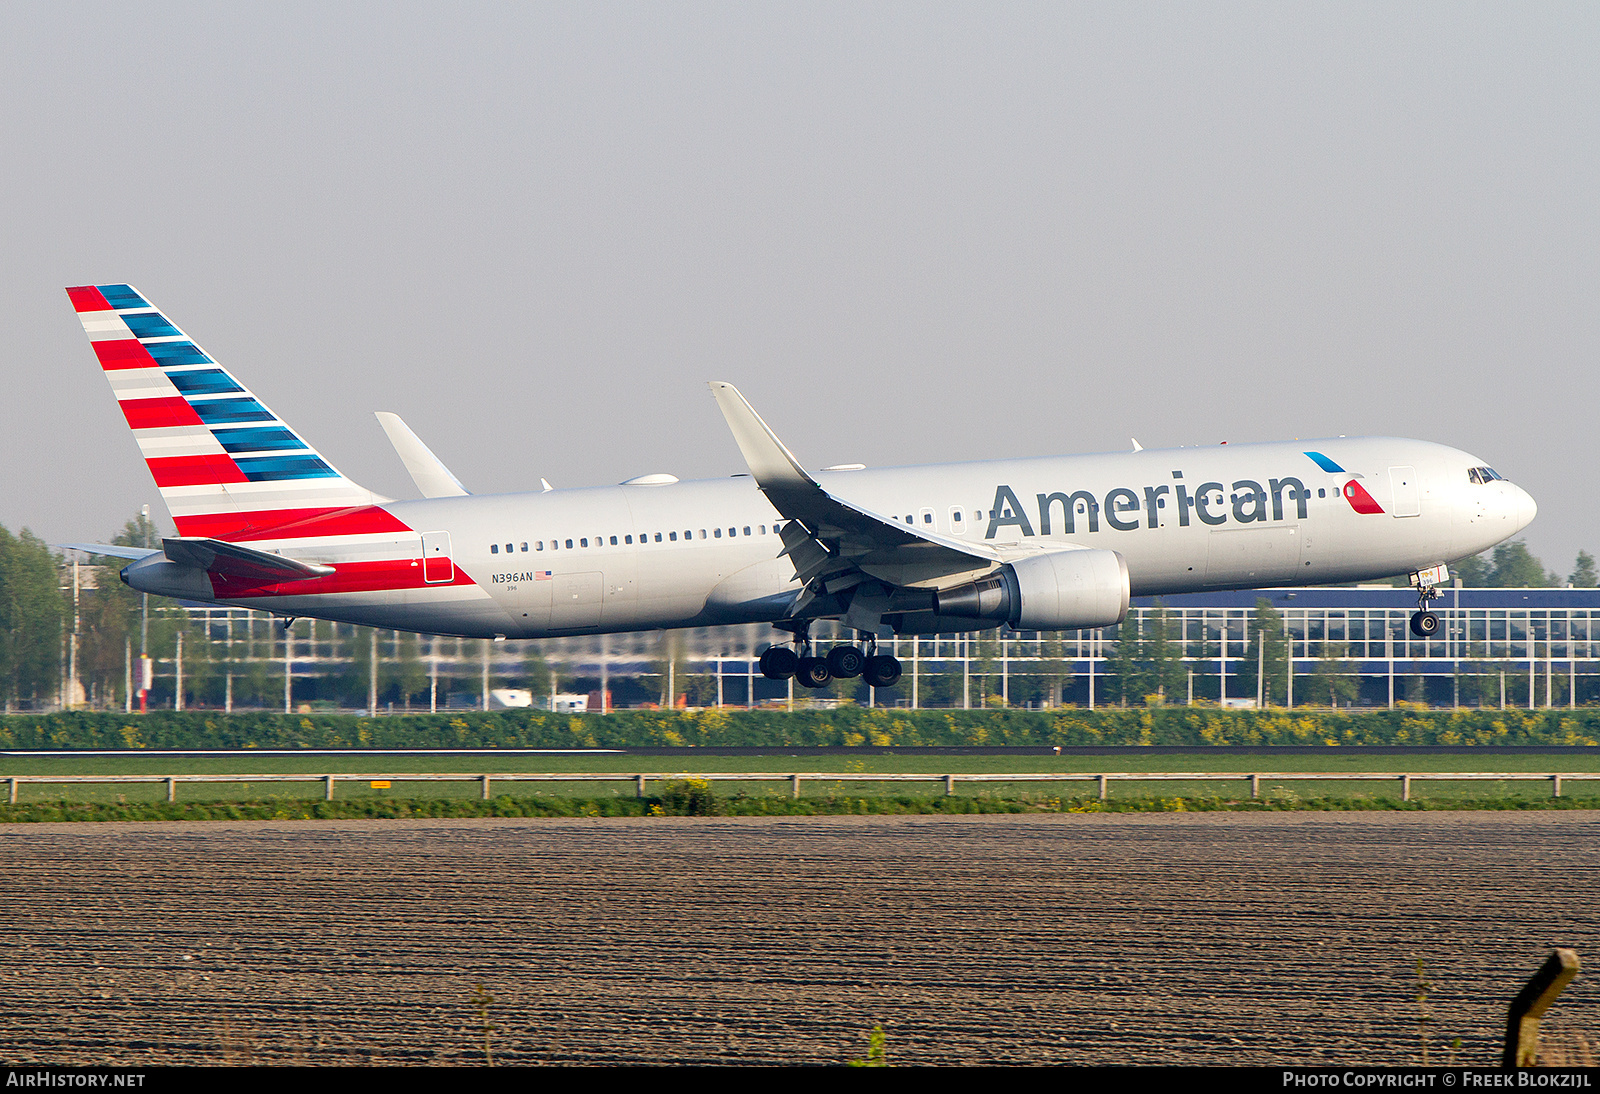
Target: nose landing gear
[[1425, 624]]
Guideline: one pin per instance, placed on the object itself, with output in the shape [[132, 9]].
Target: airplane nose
[[1527, 508]]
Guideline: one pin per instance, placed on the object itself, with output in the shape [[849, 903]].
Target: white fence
[[641, 780]]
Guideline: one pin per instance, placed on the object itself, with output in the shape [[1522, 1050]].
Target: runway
[[1288, 938]]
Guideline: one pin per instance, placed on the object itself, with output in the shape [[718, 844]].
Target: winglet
[[773, 466], [430, 474]]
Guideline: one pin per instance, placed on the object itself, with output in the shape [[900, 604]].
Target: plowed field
[[1125, 939]]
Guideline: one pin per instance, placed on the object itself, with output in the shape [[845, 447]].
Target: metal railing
[[641, 780]]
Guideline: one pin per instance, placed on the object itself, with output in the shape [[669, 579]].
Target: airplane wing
[[110, 550], [230, 559], [834, 543], [428, 471]]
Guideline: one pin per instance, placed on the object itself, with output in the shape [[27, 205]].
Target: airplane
[[264, 521]]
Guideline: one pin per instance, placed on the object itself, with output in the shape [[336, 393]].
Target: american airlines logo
[[1245, 501]]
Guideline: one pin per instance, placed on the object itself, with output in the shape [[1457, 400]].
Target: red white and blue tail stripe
[[226, 465]]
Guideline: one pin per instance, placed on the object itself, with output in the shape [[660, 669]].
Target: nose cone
[[1526, 509]]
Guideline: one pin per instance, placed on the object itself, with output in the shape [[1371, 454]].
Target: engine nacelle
[[1049, 591]]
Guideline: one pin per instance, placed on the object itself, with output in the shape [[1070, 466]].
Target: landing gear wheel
[[882, 671], [846, 662], [779, 663], [813, 673], [1424, 624]]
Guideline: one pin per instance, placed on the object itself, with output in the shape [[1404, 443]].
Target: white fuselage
[[637, 557]]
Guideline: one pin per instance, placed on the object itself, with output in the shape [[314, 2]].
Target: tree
[[355, 676], [1054, 670], [1266, 629], [1473, 572], [1122, 664], [1164, 671], [1514, 567], [1332, 679], [31, 611], [407, 671], [984, 658], [1583, 574], [536, 673]]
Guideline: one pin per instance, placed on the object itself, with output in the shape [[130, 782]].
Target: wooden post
[[1255, 786], [13, 782], [327, 788], [1405, 788], [794, 786], [486, 788], [1102, 788], [1522, 1024], [638, 786], [172, 789], [949, 785], [1555, 786]]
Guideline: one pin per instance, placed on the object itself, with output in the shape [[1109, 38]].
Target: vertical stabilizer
[[226, 465]]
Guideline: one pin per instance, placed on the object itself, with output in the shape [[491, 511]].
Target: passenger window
[[508, 548], [539, 546], [494, 548], [718, 532], [658, 537], [747, 529], [763, 528], [614, 540], [702, 533], [673, 536], [524, 546], [927, 518], [627, 539], [569, 545], [733, 532]]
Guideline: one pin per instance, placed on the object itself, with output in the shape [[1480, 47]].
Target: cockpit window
[[1483, 475]]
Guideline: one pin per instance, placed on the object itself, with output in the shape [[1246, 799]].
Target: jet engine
[[1049, 591]]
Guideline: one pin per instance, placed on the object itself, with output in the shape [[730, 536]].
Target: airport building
[[1496, 648]]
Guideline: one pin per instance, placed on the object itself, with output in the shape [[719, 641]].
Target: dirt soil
[[1121, 939]]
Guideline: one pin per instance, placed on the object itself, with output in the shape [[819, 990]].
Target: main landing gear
[[1425, 624], [840, 663]]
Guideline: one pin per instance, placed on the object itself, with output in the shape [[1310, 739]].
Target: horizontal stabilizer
[[230, 559], [110, 550], [428, 471]]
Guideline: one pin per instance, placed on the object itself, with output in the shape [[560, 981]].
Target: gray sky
[[911, 233]]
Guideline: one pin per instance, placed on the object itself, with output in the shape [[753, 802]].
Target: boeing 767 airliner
[[1053, 543]]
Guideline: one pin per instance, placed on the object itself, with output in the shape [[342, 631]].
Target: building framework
[[1496, 647]]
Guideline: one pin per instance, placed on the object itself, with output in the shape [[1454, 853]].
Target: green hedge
[[849, 726]]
